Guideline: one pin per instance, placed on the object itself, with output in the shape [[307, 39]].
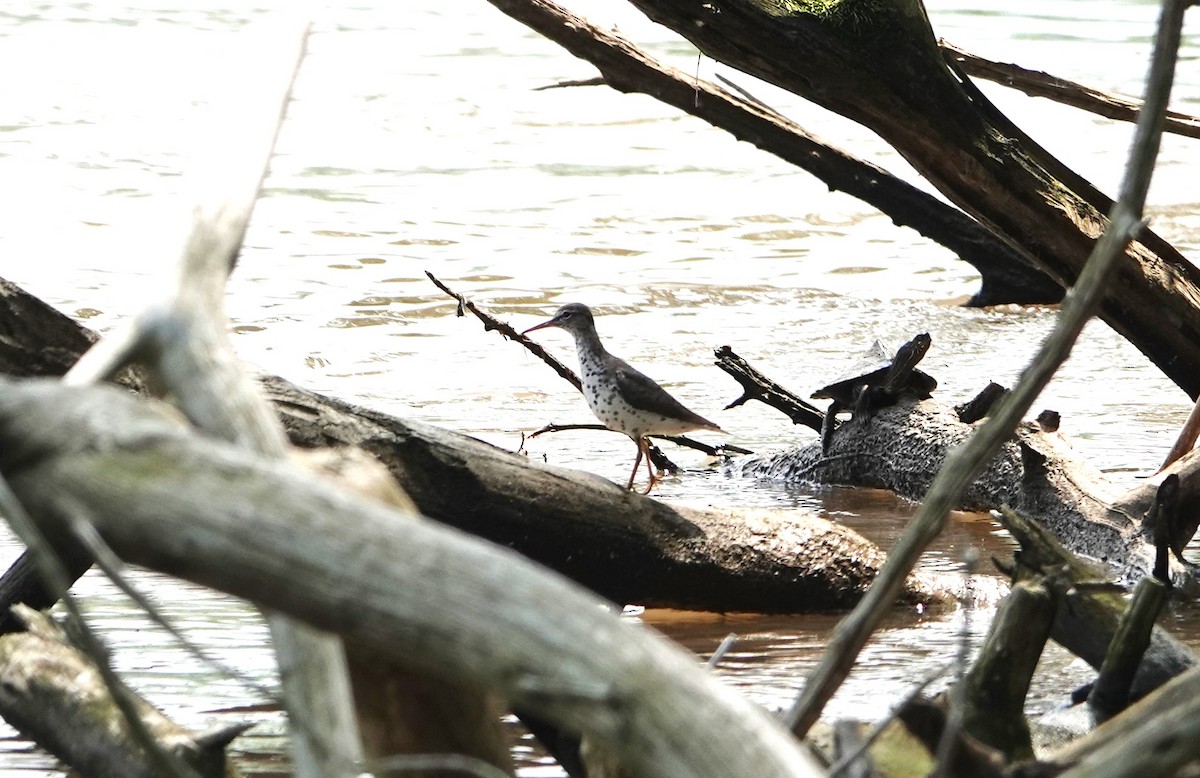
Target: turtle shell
[[870, 367]]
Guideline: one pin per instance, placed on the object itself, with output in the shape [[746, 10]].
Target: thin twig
[[722, 650], [504, 328], [491, 323], [967, 461], [679, 440]]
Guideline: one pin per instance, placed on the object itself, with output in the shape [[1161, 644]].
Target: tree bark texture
[[1037, 474], [51, 692], [1006, 275]]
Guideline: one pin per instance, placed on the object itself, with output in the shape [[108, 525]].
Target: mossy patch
[[838, 13]]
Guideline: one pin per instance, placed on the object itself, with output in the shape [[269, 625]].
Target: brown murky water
[[417, 142]]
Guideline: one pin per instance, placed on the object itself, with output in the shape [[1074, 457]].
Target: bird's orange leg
[[636, 462], [645, 444]]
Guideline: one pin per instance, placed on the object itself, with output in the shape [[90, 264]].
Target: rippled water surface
[[419, 141]]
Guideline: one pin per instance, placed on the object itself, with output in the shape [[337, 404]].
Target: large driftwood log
[[625, 547], [1037, 474], [880, 65], [414, 591]]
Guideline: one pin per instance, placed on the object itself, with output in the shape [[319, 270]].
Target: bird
[[622, 398]]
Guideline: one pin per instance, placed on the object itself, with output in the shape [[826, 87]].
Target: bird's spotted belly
[[619, 416]]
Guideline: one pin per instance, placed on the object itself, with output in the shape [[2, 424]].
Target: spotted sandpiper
[[622, 398]]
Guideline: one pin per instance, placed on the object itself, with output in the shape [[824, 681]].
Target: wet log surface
[[1037, 474], [624, 546]]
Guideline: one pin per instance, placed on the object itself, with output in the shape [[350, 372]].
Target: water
[[417, 141]]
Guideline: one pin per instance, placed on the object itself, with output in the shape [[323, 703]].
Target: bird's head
[[572, 317]]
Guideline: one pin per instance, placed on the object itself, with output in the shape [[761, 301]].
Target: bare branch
[[966, 462]]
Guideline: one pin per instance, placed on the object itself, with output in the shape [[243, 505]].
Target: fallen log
[[1091, 610], [1155, 736], [1006, 274], [416, 592], [625, 547], [881, 66]]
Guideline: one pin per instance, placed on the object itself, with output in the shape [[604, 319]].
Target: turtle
[[876, 380]]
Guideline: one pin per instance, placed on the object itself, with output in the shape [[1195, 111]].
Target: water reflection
[[417, 141]]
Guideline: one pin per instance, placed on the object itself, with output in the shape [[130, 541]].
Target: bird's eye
[[567, 314]]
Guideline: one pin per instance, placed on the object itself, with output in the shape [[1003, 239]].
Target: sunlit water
[[417, 141]]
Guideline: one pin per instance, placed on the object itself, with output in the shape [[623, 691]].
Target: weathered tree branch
[[1007, 275], [1036, 83], [965, 463], [884, 70], [197, 508]]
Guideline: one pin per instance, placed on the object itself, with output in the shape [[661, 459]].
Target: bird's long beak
[[548, 323]]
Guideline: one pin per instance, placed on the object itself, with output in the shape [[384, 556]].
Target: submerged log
[[51, 692], [1037, 474], [1091, 610], [1155, 736]]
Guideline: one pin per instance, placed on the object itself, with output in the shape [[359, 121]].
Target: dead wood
[[926, 720], [53, 694], [1155, 736], [756, 386], [1091, 609], [901, 448], [623, 546], [882, 68], [996, 685], [1036, 83], [424, 594], [1007, 275], [399, 711], [1111, 693]]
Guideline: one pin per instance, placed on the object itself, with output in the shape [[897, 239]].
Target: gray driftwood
[[415, 591]]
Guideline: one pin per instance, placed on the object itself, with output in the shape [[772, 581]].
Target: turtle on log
[[876, 380]]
